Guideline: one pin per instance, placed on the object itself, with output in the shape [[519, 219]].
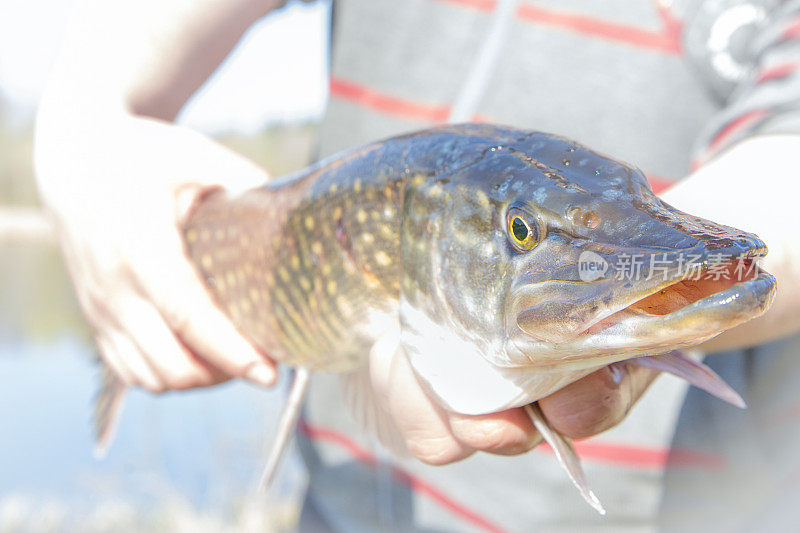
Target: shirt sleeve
[[765, 97]]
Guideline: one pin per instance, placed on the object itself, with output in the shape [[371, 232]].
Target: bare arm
[[753, 187], [147, 58], [117, 179]]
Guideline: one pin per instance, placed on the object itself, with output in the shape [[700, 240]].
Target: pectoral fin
[[696, 373], [365, 404], [286, 425], [566, 455]]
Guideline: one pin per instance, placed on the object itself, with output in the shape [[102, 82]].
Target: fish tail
[[107, 410], [286, 425], [696, 373], [566, 455]]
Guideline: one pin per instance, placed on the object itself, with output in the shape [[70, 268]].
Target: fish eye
[[523, 233]]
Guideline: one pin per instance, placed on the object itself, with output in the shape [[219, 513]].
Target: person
[[118, 177]]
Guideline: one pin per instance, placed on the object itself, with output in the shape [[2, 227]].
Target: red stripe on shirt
[[483, 5], [407, 108], [672, 25], [385, 103], [776, 72], [630, 455], [792, 31], [665, 40], [736, 125], [421, 486], [658, 184], [318, 433], [643, 456]]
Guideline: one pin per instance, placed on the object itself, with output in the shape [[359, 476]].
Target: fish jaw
[[619, 319], [529, 370], [689, 325]]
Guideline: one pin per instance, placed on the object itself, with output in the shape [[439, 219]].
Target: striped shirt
[[662, 84]]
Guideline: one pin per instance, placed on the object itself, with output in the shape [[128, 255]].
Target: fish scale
[[408, 243], [311, 254]]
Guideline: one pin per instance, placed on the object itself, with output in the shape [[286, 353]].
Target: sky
[[277, 73]]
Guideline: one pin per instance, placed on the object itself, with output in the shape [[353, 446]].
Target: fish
[[513, 260]]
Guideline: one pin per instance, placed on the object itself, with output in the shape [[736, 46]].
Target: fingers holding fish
[[508, 432], [423, 424], [132, 333], [437, 436], [97, 278], [582, 409], [598, 401], [175, 366], [202, 330], [128, 362]]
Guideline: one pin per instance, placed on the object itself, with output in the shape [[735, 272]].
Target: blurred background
[[183, 462]]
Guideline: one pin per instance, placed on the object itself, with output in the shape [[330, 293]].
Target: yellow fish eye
[[523, 234]]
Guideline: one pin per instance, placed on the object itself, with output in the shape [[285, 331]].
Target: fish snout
[[603, 281]]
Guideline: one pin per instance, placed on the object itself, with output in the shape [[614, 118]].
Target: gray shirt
[[665, 85]]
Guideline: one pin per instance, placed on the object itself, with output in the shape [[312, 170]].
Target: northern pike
[[499, 261]]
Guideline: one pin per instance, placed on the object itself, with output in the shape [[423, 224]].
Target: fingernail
[[261, 374]]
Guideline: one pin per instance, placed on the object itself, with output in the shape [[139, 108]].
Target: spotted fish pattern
[[315, 266], [299, 263], [466, 240], [309, 266]]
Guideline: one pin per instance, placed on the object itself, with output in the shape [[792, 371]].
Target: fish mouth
[[684, 311], [724, 283]]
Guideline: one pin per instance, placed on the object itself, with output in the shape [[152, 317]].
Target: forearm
[[112, 154], [124, 72], [748, 187], [119, 177], [147, 57]]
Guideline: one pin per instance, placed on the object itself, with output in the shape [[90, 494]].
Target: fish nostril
[[590, 219], [586, 219]]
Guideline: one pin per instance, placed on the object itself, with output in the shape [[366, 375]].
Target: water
[[199, 450], [185, 460]]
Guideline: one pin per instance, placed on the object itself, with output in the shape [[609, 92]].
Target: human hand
[[589, 406], [117, 212]]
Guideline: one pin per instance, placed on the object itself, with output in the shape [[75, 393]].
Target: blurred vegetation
[[24, 515], [36, 300], [279, 149]]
